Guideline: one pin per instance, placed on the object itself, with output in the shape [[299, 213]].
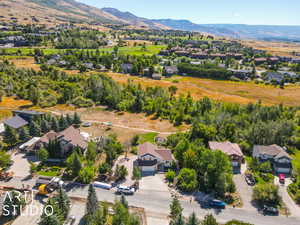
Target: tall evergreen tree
[[34, 129], [192, 220], [69, 120], [10, 136], [76, 119], [63, 124], [54, 124], [179, 220], [92, 204], [24, 134], [124, 201], [63, 202], [209, 220], [175, 208], [45, 126]]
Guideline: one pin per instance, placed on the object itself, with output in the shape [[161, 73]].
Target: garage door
[[148, 168], [283, 170]]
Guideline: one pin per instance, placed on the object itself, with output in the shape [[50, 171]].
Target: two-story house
[[232, 150], [278, 157], [152, 158]]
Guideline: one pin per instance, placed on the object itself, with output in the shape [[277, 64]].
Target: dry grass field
[[275, 48], [227, 91]]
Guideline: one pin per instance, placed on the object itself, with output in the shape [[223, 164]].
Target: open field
[[125, 125], [137, 50], [227, 91], [275, 48]]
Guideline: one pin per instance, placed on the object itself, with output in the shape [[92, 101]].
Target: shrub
[[170, 176], [266, 194], [82, 102], [187, 180]]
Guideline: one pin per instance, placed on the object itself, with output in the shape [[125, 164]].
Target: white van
[[102, 185]]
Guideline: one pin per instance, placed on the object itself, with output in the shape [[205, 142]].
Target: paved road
[[157, 203]]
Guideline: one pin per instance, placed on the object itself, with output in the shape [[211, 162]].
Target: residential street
[[156, 204]]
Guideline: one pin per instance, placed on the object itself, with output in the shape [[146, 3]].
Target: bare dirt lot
[[125, 125]]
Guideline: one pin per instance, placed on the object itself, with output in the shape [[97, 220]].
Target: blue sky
[[273, 12]]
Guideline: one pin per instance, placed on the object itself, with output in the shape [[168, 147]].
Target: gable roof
[[149, 148], [29, 112], [15, 122], [274, 151], [226, 147], [72, 135]]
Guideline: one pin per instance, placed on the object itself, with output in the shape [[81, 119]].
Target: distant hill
[[133, 19], [58, 11], [53, 11], [242, 31]]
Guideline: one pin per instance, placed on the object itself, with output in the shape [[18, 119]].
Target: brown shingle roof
[[226, 147], [149, 148], [272, 150], [73, 136]]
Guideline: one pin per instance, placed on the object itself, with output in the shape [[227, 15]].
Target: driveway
[[244, 189], [288, 201], [154, 183], [78, 210], [128, 163], [21, 165]]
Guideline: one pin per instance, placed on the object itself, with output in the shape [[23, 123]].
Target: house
[[231, 149], [68, 140], [29, 146], [156, 76], [28, 115], [259, 61], [241, 74], [171, 70], [126, 67], [279, 158], [273, 76], [151, 158], [273, 60], [15, 122]]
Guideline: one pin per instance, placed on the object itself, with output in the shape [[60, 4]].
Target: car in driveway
[[249, 179], [121, 189], [281, 178], [270, 210], [217, 204], [86, 124]]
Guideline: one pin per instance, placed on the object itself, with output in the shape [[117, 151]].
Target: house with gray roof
[[15, 122], [278, 157]]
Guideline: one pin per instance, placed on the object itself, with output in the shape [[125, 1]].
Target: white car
[[125, 190]]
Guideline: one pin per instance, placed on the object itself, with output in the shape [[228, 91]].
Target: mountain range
[[58, 11]]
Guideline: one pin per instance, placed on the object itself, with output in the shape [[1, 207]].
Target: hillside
[[241, 31], [58, 11], [133, 19]]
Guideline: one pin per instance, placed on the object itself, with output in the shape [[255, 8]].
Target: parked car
[[125, 190], [281, 178], [87, 124], [270, 210], [249, 179], [102, 185], [217, 204]]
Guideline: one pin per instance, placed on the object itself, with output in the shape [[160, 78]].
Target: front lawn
[[53, 171], [148, 137]]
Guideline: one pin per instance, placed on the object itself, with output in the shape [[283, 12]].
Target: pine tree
[[92, 204], [76, 119], [175, 208], [63, 124], [179, 220], [49, 220], [24, 134], [193, 220], [209, 220], [124, 201], [76, 167], [69, 120], [34, 129], [10, 136], [45, 126], [54, 124], [63, 202]]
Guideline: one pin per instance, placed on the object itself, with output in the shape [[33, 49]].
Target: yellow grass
[[12, 103], [227, 91]]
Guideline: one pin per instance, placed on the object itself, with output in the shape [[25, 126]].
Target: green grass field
[[137, 50], [148, 137]]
